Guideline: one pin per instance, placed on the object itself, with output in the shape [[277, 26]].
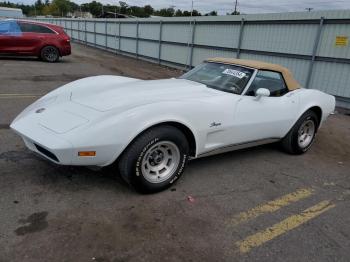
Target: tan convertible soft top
[[291, 83]]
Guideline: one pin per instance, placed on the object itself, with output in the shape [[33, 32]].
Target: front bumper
[[63, 130], [56, 148], [45, 143]]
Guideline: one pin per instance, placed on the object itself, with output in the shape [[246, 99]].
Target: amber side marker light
[[87, 153]]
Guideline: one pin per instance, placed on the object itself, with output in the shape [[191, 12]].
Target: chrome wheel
[[306, 133], [50, 54], [160, 162]]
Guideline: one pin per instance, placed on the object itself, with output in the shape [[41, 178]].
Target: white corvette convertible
[[149, 129]]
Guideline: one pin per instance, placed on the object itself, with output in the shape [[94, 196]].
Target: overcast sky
[[224, 6]]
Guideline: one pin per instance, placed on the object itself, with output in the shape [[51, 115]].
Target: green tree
[[148, 10], [38, 5], [60, 7], [194, 13], [178, 13], [85, 7], [95, 8], [186, 13], [167, 12], [123, 7], [212, 13], [111, 8], [137, 11]]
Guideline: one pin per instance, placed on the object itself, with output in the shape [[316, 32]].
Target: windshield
[[227, 78]]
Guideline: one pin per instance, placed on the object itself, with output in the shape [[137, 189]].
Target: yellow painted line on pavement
[[283, 227], [13, 97], [9, 96], [272, 206], [4, 94]]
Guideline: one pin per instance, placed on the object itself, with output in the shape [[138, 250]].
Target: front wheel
[[49, 54], [300, 138], [155, 159]]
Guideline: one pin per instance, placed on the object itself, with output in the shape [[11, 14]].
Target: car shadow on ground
[[27, 59], [19, 58], [76, 178]]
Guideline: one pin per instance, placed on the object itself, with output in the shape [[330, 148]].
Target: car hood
[[106, 93], [87, 100]]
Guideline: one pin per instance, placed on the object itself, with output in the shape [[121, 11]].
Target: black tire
[[139, 151], [50, 54], [290, 142]]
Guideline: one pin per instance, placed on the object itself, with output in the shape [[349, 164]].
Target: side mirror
[[261, 92]]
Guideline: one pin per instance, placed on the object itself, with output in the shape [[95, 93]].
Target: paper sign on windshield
[[234, 73]]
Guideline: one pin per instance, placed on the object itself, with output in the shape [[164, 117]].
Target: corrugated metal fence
[[313, 45]]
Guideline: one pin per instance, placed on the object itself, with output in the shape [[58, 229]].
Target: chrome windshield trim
[[249, 83]]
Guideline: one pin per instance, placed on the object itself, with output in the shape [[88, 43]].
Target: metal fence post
[[115, 36], [160, 41], [314, 52], [79, 30], [240, 37], [137, 39], [192, 44], [95, 33], [71, 28], [106, 39], [119, 36], [85, 35]]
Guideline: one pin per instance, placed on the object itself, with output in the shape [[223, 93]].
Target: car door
[[9, 31], [260, 118], [31, 38]]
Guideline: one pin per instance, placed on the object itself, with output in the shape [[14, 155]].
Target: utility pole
[[192, 8], [309, 9], [236, 3], [173, 7]]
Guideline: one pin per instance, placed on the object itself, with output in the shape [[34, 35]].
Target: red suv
[[47, 41]]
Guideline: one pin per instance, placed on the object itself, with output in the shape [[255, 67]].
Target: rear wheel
[[155, 159], [300, 138], [49, 54]]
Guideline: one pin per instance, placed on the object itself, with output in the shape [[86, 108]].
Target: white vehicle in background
[[150, 128], [6, 12]]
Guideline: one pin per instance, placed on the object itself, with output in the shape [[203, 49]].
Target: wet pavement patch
[[34, 223]]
